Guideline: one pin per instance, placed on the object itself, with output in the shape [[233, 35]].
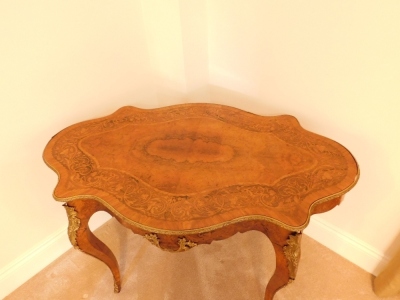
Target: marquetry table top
[[196, 167]]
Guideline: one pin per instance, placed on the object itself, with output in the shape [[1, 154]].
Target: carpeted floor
[[237, 269]]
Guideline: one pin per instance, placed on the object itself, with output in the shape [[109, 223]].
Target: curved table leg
[[80, 236], [287, 250]]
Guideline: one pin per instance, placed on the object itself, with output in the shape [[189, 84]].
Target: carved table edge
[[216, 226]]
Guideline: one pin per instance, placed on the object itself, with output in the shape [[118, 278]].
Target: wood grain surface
[[197, 166]]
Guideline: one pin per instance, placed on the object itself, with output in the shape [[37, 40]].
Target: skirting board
[[33, 261], [346, 245], [22, 269]]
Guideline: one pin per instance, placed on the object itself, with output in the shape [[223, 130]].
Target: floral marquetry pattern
[[324, 164]]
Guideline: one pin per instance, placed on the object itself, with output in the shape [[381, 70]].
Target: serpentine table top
[[189, 174]]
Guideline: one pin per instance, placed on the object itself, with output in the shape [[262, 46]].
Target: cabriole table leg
[[80, 236], [287, 250]]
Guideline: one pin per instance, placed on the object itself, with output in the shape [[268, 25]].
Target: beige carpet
[[237, 269]]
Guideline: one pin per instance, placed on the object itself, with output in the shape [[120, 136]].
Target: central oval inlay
[[189, 150]]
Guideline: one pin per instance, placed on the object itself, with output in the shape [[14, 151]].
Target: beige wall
[[334, 65], [60, 62]]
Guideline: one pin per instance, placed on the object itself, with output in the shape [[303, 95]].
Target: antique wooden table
[[191, 174]]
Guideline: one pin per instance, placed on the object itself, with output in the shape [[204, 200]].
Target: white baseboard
[[353, 249], [23, 268], [33, 261]]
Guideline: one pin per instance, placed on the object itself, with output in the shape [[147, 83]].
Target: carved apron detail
[[153, 238], [73, 226], [183, 244], [292, 253]]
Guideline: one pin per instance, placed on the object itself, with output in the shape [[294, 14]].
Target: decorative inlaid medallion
[[193, 151]]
